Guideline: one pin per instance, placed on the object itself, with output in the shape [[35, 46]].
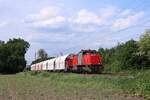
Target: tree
[[123, 56], [144, 49], [128, 57], [3, 56], [12, 56], [42, 54], [145, 44], [1, 42], [105, 53]]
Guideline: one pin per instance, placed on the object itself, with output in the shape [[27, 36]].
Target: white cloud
[[127, 21], [87, 17], [54, 22], [88, 21], [53, 17], [44, 13], [49, 17], [109, 11], [84, 21]]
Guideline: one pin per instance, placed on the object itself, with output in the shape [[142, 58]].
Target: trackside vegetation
[[133, 82], [64, 86], [131, 55]]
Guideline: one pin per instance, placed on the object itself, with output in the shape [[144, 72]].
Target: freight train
[[89, 61]]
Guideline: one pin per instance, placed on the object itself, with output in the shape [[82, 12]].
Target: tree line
[[12, 55], [129, 55]]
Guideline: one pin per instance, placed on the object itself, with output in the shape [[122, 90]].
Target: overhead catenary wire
[[136, 25]]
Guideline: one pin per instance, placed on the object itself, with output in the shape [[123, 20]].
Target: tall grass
[[135, 83]]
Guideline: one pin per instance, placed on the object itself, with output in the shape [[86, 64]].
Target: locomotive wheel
[[79, 69], [87, 69], [96, 69]]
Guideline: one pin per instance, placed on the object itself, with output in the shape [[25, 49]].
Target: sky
[[67, 26]]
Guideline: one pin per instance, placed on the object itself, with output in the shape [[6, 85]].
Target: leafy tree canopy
[[12, 55], [129, 55]]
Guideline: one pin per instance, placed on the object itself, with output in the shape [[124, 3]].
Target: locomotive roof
[[88, 51]]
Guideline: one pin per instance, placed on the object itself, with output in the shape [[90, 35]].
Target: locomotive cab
[[89, 61]]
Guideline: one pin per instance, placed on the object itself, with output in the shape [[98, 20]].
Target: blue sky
[[68, 26]]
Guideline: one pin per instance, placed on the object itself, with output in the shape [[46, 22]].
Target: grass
[[70, 86]]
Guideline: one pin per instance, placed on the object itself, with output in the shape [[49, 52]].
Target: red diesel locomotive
[[84, 61]]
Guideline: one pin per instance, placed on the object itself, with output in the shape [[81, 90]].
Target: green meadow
[[71, 86]]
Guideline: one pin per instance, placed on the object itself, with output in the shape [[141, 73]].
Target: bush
[[33, 73], [114, 67], [44, 74]]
